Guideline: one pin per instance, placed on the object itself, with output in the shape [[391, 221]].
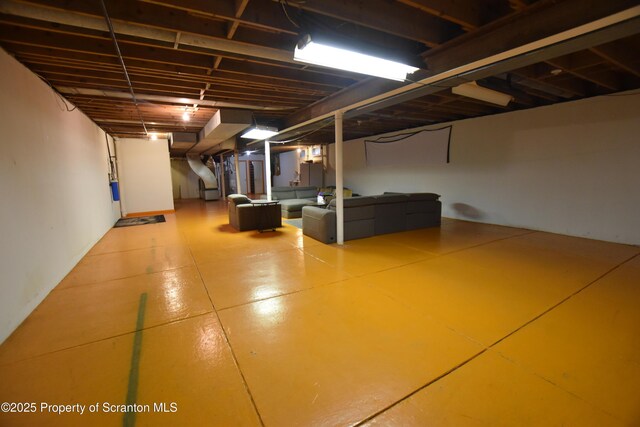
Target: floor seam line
[[564, 300], [409, 395], [226, 338], [371, 417], [131, 250], [146, 328], [286, 294], [435, 255], [116, 279]]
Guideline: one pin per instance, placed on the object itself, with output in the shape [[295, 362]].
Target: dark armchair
[[245, 216]]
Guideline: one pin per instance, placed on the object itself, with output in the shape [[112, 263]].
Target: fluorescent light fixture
[[259, 132], [472, 90], [334, 57]]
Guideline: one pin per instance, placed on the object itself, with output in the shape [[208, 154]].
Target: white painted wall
[[185, 182], [145, 175], [56, 202], [289, 162], [571, 168]]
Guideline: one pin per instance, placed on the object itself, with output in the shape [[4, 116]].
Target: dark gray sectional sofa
[[292, 199], [372, 215]]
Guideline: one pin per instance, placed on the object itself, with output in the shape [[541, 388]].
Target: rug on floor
[[296, 222], [140, 220]]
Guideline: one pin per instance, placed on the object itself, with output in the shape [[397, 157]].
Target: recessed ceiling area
[[192, 58]]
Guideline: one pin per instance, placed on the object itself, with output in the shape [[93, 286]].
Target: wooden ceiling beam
[[508, 33], [101, 46], [252, 16], [519, 5], [452, 105], [145, 52], [171, 80], [541, 74], [97, 23], [607, 80], [385, 16], [519, 96], [543, 19], [217, 92], [240, 6], [285, 73], [62, 54], [466, 13], [54, 56], [446, 98], [45, 27], [619, 56], [143, 14]]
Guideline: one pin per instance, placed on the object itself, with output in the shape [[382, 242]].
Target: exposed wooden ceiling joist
[[238, 53], [394, 18], [95, 22], [518, 30]]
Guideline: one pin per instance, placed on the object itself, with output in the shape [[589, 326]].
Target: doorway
[[252, 176]]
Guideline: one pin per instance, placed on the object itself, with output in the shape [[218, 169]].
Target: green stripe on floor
[[129, 418]]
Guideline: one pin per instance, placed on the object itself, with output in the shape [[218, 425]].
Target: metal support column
[[339, 181], [267, 167], [236, 164], [221, 185]]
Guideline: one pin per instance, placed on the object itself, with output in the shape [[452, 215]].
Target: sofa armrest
[[245, 218], [319, 224]]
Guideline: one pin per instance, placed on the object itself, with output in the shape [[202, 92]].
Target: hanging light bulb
[[185, 116]]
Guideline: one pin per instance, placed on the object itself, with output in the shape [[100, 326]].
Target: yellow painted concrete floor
[[468, 324]]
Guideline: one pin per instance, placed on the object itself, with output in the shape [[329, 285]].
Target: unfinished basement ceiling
[[239, 54]]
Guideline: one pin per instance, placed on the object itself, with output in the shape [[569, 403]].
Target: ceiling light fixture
[[185, 116], [153, 136], [472, 90], [260, 132], [312, 52]]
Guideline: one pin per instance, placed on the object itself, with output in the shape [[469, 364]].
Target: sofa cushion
[[294, 204], [423, 196], [238, 199], [283, 195], [390, 216], [359, 229], [423, 220], [356, 208], [306, 193], [355, 201], [423, 206], [391, 198]]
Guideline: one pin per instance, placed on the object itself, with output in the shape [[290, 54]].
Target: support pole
[[339, 181], [221, 183], [267, 167], [236, 164]]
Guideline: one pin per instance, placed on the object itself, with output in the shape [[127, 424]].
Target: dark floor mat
[[141, 220]]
